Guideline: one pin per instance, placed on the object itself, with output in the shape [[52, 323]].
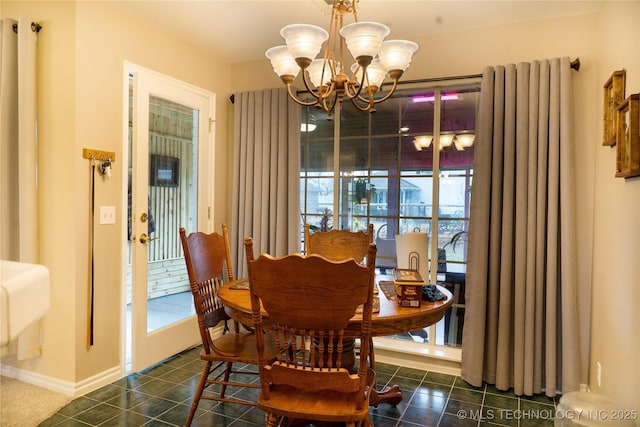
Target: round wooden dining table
[[391, 319]]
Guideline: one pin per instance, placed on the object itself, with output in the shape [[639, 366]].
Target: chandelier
[[325, 78]]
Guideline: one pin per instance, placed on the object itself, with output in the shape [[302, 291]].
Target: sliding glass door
[[408, 167]]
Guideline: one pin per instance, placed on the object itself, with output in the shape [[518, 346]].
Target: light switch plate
[[107, 214]]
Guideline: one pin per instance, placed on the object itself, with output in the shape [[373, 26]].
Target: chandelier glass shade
[[325, 78]]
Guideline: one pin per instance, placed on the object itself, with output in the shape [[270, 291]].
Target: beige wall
[[105, 40], [81, 51], [615, 337], [82, 48], [56, 133]]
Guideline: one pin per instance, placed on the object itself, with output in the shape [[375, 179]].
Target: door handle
[[144, 238]]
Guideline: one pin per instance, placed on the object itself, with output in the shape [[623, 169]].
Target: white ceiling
[[242, 30]]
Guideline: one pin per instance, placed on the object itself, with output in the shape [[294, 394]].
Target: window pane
[[386, 119], [386, 178], [354, 156], [318, 199], [320, 155], [416, 157], [417, 114], [415, 202], [384, 155], [324, 127], [382, 187]]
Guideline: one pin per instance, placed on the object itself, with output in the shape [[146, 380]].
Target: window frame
[[345, 218]]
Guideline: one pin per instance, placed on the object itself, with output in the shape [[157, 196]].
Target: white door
[[170, 186]]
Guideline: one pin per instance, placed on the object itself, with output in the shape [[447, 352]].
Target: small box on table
[[408, 284]]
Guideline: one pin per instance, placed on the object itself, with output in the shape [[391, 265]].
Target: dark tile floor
[[161, 396]]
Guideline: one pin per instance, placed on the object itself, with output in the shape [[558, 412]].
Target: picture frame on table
[[628, 137], [614, 95]]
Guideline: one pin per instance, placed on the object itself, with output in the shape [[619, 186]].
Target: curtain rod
[[35, 27], [575, 65]]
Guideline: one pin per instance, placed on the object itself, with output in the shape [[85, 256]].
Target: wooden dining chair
[[338, 245], [208, 261], [308, 302]]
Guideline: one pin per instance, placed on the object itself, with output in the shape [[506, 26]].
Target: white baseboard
[[64, 387], [396, 352]]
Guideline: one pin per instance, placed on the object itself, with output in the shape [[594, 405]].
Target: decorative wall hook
[[105, 168]]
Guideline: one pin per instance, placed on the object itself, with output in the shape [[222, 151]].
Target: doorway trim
[[205, 192]]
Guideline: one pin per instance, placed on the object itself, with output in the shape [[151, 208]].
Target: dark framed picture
[[628, 138], [164, 171], [613, 96]]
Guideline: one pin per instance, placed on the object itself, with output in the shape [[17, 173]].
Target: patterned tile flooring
[[161, 396]]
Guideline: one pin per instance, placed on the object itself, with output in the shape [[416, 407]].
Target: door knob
[[144, 238]]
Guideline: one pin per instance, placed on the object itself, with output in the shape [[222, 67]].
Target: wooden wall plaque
[[613, 96], [628, 137]]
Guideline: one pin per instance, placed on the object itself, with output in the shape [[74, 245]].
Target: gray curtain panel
[[19, 145], [266, 175], [520, 328]]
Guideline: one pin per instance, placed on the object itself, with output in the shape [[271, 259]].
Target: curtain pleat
[[9, 138], [20, 223], [521, 312], [28, 157], [266, 174]]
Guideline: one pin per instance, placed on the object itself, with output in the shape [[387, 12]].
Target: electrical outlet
[[599, 374], [107, 214]]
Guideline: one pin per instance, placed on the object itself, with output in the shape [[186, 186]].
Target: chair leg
[[372, 359], [272, 420], [227, 374], [198, 394]]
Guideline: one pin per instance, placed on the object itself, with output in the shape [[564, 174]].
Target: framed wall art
[[628, 137], [613, 96], [163, 171]]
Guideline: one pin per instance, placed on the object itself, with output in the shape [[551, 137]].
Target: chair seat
[[290, 402], [242, 347]]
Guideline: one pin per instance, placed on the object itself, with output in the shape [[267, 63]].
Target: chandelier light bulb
[[396, 54], [423, 141], [318, 76], [465, 139], [307, 127], [375, 74], [446, 140], [303, 40], [364, 39], [282, 62]]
